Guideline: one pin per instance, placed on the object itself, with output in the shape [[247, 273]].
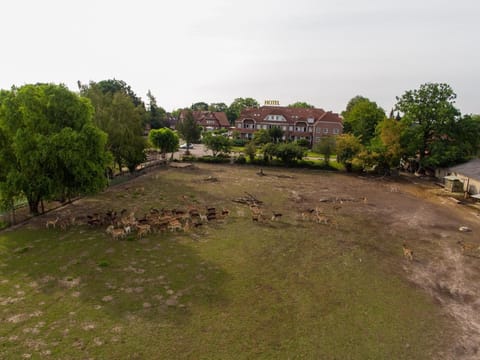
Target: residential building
[[209, 120], [296, 123]]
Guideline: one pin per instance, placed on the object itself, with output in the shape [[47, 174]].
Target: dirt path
[[451, 277]]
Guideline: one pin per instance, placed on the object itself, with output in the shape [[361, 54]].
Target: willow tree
[[50, 143], [117, 115]]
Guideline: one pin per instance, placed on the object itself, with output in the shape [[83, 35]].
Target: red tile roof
[[292, 115]]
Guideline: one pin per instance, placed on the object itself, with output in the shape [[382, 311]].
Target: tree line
[[57, 144]]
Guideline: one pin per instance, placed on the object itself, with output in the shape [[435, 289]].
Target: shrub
[[239, 142], [240, 160]]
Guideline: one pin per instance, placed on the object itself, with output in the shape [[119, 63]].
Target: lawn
[[231, 289]]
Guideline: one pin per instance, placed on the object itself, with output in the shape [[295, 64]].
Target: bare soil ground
[[401, 210]]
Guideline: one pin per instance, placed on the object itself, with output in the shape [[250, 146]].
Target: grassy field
[[232, 289]]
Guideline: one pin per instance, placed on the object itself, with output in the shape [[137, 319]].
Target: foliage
[[348, 146], [117, 115], [214, 159], [289, 152], [301, 105], [251, 150], [236, 107], [276, 134], [113, 86], [165, 140], [156, 116], [430, 117], [362, 117], [188, 129], [304, 143], [241, 159], [50, 143], [387, 143], [219, 107], [261, 137], [218, 144], [326, 147], [239, 142], [199, 106]]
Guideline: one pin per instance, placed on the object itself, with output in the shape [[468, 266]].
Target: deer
[[115, 233], [466, 246], [407, 252], [52, 223], [276, 215]]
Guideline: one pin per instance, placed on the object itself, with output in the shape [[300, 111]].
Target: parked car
[[184, 146]]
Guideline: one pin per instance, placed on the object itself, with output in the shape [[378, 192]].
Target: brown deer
[[52, 223], [407, 252]]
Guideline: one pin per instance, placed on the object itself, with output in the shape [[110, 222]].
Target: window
[[325, 131], [336, 131]]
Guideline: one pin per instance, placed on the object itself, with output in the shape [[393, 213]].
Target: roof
[[451, 178], [292, 115], [469, 169], [201, 117]]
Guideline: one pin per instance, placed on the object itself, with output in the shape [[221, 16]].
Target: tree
[[188, 129], [262, 137], [117, 115], [289, 152], [347, 147], [301, 105], [219, 107], [113, 86], [156, 116], [430, 115], [276, 133], [218, 144], [251, 150], [199, 106], [165, 140], [51, 144], [387, 142], [361, 118], [236, 107], [326, 147]]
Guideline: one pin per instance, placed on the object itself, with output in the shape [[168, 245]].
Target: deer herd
[[122, 224]]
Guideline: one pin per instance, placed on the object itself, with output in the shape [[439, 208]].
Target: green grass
[[244, 290]]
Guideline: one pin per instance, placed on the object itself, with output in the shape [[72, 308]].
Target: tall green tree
[[348, 146], [165, 140], [276, 133], [217, 144], [199, 106], [117, 115], [156, 116], [326, 147], [188, 129], [236, 107], [430, 115], [301, 105], [51, 144], [362, 117], [261, 137], [220, 107]]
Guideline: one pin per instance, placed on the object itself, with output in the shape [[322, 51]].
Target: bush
[[239, 142], [221, 159], [241, 160], [189, 158]]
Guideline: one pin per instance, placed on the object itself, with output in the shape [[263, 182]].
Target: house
[[468, 173], [296, 123], [209, 120]]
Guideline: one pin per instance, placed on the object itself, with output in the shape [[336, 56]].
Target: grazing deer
[[115, 233], [407, 252], [143, 229], [52, 223], [276, 215], [225, 212], [174, 225]]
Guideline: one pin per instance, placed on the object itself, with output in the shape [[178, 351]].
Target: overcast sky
[[184, 51]]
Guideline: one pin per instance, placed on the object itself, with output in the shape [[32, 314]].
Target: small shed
[[453, 183]]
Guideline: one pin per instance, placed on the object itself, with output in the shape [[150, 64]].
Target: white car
[[184, 146]]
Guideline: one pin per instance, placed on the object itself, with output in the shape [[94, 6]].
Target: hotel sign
[[272, 102]]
